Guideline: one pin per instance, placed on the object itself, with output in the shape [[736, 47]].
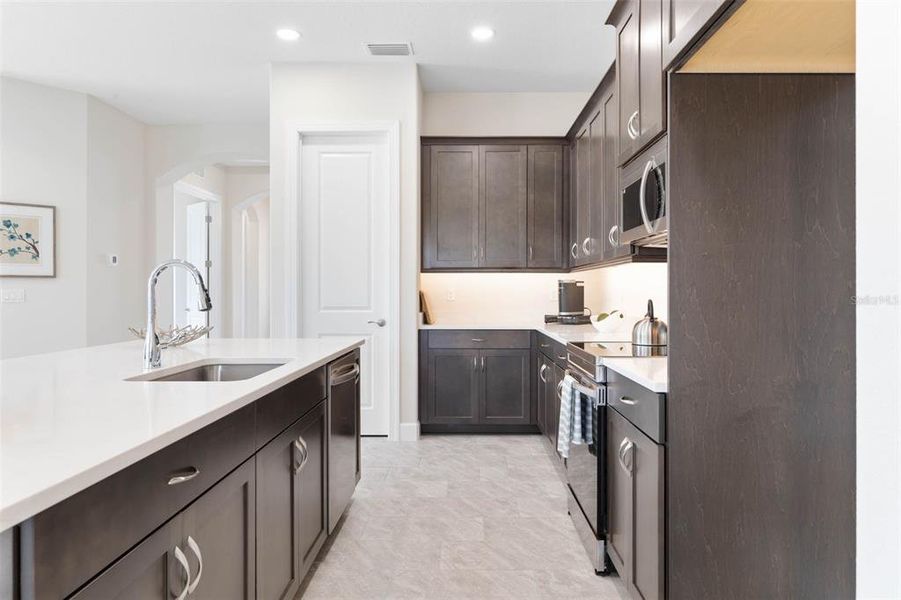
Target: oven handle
[[592, 390]]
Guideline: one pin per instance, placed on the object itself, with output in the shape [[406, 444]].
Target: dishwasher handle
[[343, 374]]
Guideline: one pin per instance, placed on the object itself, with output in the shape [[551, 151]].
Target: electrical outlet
[[12, 295], [451, 296]]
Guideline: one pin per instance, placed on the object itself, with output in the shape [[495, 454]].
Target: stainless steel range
[[586, 471]]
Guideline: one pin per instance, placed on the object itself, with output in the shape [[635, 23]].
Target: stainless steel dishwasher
[[343, 434]]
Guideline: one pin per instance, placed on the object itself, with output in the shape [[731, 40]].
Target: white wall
[[115, 223], [878, 276], [44, 161], [500, 114], [173, 151], [74, 152], [334, 93]]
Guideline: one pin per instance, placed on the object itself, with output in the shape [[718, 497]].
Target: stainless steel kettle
[[650, 331]]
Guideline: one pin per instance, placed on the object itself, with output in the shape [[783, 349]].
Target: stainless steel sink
[[217, 372]]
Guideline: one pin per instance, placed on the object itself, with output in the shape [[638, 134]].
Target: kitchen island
[[84, 441]]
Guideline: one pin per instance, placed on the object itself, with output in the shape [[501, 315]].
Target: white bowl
[[608, 325]]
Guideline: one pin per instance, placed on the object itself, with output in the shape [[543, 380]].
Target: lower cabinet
[[635, 489], [207, 550], [291, 505], [476, 383]]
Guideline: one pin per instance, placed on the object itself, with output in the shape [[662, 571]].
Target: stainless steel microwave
[[643, 204]]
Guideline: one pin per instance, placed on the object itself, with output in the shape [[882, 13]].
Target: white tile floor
[[457, 517]]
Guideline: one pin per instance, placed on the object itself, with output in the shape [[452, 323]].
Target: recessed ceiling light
[[288, 35], [482, 33]]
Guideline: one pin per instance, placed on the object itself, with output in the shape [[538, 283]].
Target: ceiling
[[205, 62]]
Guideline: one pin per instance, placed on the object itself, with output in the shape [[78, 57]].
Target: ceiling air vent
[[390, 49]]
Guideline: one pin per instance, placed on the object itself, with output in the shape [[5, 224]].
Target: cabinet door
[[312, 485], [278, 496], [647, 518], [619, 496], [627, 80], [505, 393], [579, 230], [545, 212], [609, 238], [684, 21], [452, 233], [544, 373], [652, 102], [219, 538], [452, 396], [150, 571], [596, 188], [503, 220]]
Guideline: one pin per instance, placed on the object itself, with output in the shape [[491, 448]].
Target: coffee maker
[[570, 304]]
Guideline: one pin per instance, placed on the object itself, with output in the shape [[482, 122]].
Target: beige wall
[[500, 114]]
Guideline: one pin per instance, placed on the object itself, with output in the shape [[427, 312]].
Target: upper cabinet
[[493, 206], [684, 21], [640, 78]]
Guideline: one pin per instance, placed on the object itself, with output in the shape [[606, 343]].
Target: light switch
[[451, 296], [12, 295]]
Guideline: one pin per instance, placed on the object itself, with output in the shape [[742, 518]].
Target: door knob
[[379, 322]]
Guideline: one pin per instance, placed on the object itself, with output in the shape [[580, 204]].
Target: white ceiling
[[203, 61]]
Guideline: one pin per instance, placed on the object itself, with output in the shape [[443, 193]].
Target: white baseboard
[[409, 432]]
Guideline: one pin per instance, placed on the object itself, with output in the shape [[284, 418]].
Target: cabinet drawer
[[278, 410], [67, 544], [642, 407], [479, 338], [552, 349]]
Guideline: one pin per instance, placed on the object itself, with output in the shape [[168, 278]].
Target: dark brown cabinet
[[640, 78], [684, 21], [493, 206], [504, 383], [291, 516], [635, 507], [545, 210], [503, 223], [206, 550], [580, 215], [611, 225], [451, 207], [476, 380]]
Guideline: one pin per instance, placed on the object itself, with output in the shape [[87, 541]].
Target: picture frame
[[27, 240]]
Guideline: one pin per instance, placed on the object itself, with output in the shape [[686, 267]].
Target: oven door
[[586, 462]]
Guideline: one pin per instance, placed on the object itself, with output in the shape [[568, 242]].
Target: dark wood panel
[[505, 391], [452, 236], [761, 451], [625, 18], [503, 205], [479, 338], [652, 88], [452, 395], [312, 486], [594, 249], [282, 407], [221, 523], [580, 215], [545, 210]]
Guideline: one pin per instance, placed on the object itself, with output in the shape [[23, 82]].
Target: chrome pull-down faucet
[[151, 339]]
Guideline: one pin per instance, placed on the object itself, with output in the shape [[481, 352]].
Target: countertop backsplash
[[529, 296]]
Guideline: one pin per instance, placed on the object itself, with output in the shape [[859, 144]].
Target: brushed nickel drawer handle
[[627, 400], [477, 340], [300, 445], [541, 373], [195, 548], [183, 561], [631, 129], [183, 476], [573, 249]]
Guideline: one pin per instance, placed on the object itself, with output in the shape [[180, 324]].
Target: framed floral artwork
[[27, 240]]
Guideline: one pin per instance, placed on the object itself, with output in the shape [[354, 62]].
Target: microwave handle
[[651, 164]]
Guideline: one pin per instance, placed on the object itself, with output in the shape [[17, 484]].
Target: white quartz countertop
[[651, 372], [70, 419], [648, 371]]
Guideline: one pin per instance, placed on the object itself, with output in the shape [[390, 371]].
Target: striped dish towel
[[574, 427]]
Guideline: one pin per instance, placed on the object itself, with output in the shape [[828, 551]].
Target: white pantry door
[[344, 255]]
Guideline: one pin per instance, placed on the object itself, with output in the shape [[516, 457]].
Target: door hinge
[[209, 219], [208, 264]]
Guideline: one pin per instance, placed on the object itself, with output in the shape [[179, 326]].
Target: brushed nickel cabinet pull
[[183, 476]]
